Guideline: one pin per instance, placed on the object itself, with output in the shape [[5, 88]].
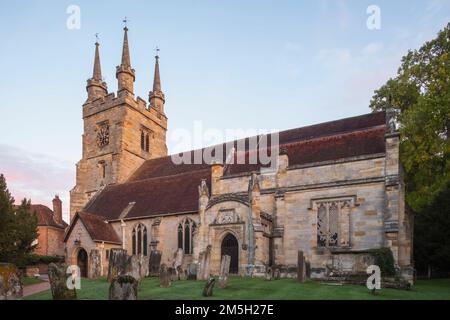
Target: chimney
[[57, 210]]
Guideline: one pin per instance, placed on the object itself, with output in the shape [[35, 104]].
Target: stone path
[[35, 288]]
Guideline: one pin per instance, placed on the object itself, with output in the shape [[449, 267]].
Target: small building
[[51, 229]]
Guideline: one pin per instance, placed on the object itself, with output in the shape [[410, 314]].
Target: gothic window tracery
[[145, 139], [333, 223], [186, 230], [139, 240]]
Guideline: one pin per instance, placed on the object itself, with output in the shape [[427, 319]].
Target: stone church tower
[[120, 131]]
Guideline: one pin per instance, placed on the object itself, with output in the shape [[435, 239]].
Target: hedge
[[385, 260]]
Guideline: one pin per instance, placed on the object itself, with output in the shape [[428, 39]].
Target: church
[[335, 193]]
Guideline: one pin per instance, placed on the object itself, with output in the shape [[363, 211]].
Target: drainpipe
[[123, 225]]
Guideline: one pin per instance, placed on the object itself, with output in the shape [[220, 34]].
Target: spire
[[156, 78], [97, 73], [96, 88], [124, 73], [125, 50], [156, 97]]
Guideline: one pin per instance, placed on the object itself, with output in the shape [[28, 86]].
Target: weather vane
[[96, 37], [125, 20], [157, 51]]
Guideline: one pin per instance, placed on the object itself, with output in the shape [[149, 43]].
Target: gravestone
[[118, 262], [182, 274], [178, 262], [58, 277], [95, 267], [133, 267], [301, 271], [209, 286], [10, 283], [172, 274], [144, 266], [123, 287], [204, 266], [276, 273], [154, 263], [164, 277], [269, 274], [224, 271], [192, 271]]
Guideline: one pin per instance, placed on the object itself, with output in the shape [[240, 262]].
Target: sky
[[256, 64]]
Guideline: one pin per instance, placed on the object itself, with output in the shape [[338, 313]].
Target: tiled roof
[[160, 186], [97, 227], [45, 216]]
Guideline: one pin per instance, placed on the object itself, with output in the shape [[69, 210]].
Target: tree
[[432, 225], [420, 93], [18, 227]]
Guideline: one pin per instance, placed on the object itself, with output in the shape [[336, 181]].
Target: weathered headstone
[[192, 271], [276, 273], [118, 262], [172, 274], [224, 271], [144, 265], [154, 263], [164, 277], [133, 267], [301, 271], [95, 266], [269, 274], [182, 274], [123, 287], [58, 277], [204, 264], [10, 283], [209, 286], [178, 261]]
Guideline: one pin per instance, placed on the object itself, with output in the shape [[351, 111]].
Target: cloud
[[372, 48], [36, 176], [334, 57]]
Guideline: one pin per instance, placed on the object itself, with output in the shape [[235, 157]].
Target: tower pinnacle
[[95, 86], [124, 73], [156, 96]]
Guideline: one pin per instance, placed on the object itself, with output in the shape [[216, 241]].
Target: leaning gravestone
[[269, 274], [133, 267], [95, 267], [172, 274], [192, 271], [154, 263], [209, 286], [123, 287], [118, 262], [301, 271], [144, 265], [178, 262], [224, 271], [10, 284], [276, 273], [181, 274], [59, 277], [204, 264], [164, 277]]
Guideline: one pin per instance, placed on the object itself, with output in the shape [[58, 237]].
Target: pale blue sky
[[230, 64]]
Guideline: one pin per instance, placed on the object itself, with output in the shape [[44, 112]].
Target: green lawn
[[246, 288], [26, 281]]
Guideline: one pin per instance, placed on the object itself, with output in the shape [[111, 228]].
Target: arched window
[[147, 142], [185, 239], [139, 240], [142, 140]]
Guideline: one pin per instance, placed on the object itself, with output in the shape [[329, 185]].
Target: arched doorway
[[230, 247], [82, 262]]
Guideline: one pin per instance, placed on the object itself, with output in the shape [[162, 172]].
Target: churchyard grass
[[26, 281], [260, 289]]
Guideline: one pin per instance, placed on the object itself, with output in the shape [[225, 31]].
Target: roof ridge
[[159, 177]]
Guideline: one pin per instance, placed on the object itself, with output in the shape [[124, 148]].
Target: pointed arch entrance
[[230, 246], [82, 262]]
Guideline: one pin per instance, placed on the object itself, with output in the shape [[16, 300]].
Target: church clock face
[[103, 135]]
